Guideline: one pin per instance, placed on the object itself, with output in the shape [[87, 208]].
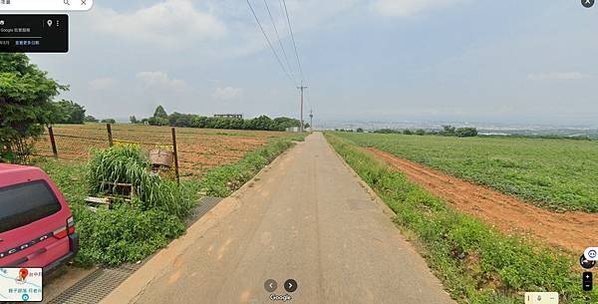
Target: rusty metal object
[[161, 158]]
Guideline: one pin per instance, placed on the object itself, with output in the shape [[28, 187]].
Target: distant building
[[229, 115]]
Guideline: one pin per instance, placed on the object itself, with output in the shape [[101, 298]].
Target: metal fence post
[[176, 155], [53, 142], [109, 129]]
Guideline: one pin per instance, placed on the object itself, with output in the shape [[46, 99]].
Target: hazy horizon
[[507, 62]]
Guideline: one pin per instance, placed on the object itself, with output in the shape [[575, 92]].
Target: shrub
[[466, 132], [124, 234], [25, 106]]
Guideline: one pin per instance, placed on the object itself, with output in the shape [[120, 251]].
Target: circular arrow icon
[[270, 285], [290, 285], [587, 3]]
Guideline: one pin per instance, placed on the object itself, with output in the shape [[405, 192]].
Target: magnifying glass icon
[[67, 2]]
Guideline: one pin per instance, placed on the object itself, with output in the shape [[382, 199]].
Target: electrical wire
[[293, 39], [268, 41], [286, 58]]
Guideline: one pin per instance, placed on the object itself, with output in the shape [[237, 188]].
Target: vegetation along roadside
[[131, 231], [224, 180], [555, 174], [475, 262]]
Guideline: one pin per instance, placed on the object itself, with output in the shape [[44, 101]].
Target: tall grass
[[126, 164]]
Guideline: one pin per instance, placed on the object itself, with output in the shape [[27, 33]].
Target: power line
[[269, 43], [293, 39], [286, 58]]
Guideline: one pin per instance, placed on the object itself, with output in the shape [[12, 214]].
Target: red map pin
[[23, 273]]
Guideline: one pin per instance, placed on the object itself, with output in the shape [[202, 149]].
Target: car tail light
[[70, 225], [67, 230], [60, 233]]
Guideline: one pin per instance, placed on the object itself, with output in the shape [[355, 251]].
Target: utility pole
[[311, 119], [301, 88]]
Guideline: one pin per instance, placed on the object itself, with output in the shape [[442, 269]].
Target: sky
[[507, 61]]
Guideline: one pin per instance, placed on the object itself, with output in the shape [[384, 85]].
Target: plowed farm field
[[198, 149]]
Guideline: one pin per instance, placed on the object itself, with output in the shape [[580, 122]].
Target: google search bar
[[45, 5]]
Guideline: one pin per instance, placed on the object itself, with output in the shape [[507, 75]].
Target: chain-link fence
[[197, 149]]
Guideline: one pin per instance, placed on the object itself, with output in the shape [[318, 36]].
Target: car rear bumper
[[74, 248]]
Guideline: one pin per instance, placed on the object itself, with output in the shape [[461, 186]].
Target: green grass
[[131, 232], [556, 174], [127, 164], [127, 233], [475, 262], [224, 180]]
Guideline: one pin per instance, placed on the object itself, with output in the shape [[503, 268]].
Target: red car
[[36, 224]]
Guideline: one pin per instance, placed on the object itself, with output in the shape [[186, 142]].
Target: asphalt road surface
[[306, 217]]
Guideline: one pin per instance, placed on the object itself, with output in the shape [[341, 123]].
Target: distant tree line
[[162, 118], [447, 130]]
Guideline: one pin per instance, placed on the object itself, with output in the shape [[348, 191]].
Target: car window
[[23, 204]]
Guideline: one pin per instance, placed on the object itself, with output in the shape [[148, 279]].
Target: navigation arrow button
[[290, 285], [270, 285]]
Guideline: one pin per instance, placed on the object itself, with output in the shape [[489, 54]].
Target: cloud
[[168, 23], [557, 76], [406, 8], [101, 84], [161, 79], [227, 93]]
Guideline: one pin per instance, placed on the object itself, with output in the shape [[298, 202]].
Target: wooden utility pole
[[301, 88], [176, 156], [53, 142], [109, 129]]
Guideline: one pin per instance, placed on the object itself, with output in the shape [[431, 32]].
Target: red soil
[[572, 231]]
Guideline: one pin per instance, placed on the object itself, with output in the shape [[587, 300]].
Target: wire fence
[[197, 150]]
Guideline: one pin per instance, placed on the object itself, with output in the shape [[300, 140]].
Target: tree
[[407, 132], [359, 130], [90, 118], [133, 119], [466, 132], [160, 112], [68, 112], [420, 132], [157, 121], [283, 123], [447, 130], [108, 120], [262, 123], [26, 94], [180, 120]]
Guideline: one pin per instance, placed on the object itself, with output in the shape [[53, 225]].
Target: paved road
[[307, 217]]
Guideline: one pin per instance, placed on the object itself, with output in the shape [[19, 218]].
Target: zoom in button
[[587, 281]]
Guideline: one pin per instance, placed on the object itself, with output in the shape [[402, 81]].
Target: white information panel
[[21, 284]]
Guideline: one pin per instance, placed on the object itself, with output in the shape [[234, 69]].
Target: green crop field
[[556, 174]]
